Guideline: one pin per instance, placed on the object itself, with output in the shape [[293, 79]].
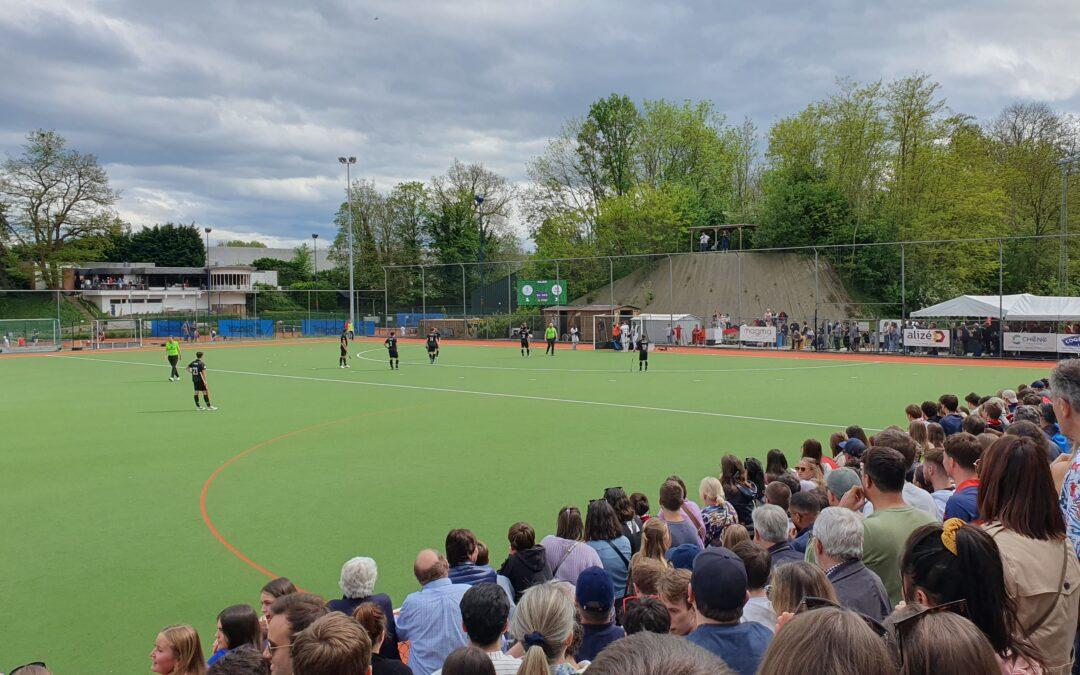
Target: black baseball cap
[[719, 579]]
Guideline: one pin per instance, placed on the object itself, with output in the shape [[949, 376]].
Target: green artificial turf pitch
[[103, 463]]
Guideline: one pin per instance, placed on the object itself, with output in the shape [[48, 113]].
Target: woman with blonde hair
[[828, 640], [544, 625], [655, 540], [718, 513], [797, 580], [733, 534], [177, 651], [811, 476]]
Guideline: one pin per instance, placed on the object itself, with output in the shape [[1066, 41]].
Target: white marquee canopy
[[1021, 307]]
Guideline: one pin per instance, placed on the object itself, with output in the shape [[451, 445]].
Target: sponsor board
[[1032, 342], [926, 337], [1068, 344], [757, 333]]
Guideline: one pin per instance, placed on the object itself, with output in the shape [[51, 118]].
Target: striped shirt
[[430, 619], [575, 556]]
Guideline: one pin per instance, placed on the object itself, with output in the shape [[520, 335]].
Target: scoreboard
[[533, 292]]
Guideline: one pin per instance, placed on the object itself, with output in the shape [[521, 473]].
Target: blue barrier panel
[[166, 327], [246, 328]]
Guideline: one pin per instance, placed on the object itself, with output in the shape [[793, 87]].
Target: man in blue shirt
[[718, 591], [595, 599], [430, 619], [952, 422], [962, 451]]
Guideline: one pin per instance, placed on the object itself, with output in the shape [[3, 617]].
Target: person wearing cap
[[1011, 400], [682, 556], [595, 600], [718, 591], [851, 449]]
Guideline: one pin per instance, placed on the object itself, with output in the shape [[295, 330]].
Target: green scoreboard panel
[[541, 292]]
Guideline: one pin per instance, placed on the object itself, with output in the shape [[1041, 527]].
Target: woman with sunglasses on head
[[957, 563], [934, 641], [828, 640], [739, 491], [631, 523], [1019, 505]]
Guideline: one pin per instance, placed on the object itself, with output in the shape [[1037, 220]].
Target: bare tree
[[56, 197], [463, 183]]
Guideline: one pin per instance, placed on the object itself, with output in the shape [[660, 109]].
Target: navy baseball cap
[[853, 447], [719, 579], [682, 556], [595, 589]]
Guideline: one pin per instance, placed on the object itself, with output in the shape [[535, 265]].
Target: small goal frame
[[117, 334], [20, 336]]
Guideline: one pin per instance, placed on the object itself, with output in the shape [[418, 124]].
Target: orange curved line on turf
[[232, 460]]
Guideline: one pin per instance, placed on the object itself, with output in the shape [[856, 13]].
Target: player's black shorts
[[432, 350], [643, 356], [199, 386], [524, 342], [393, 353], [173, 360]]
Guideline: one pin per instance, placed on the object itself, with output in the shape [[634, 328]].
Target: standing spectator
[[177, 651], [941, 641], [888, 527], [725, 242], [289, 615], [672, 591], [718, 591], [331, 645], [371, 617], [575, 337], [430, 619], [812, 448], [646, 614], [718, 513], [641, 506], [655, 542], [678, 334], [703, 242], [838, 550], [468, 661], [962, 452], [913, 495], [820, 640], [810, 474], [647, 653], [690, 504], [758, 566], [566, 552], [544, 625], [952, 420], [624, 334], [1017, 502], [527, 563], [603, 534], [616, 336], [677, 515], [461, 551], [484, 613], [1065, 383], [631, 523], [771, 534], [1050, 427], [960, 562], [237, 626], [238, 662], [682, 556], [358, 577], [803, 511], [793, 583], [595, 598], [273, 590], [935, 476], [776, 465], [738, 490]]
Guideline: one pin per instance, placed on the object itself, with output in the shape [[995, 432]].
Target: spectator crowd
[[947, 545]]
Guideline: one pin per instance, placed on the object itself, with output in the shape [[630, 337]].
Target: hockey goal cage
[[29, 335], [117, 334]]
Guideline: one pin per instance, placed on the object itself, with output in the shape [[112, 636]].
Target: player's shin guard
[[206, 398], [197, 401]]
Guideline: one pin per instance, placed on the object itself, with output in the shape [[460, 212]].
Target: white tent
[[1022, 307], [656, 325]]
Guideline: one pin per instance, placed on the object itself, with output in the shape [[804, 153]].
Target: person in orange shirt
[[616, 344]]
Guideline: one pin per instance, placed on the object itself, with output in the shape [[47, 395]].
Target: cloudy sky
[[232, 114]]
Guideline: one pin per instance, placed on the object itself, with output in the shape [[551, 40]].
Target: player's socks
[[197, 402], [207, 400]]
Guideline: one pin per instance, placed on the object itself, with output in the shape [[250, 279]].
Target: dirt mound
[[739, 284]]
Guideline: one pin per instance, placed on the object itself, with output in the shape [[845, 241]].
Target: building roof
[[588, 308], [149, 269]]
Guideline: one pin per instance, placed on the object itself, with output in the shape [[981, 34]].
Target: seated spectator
[[566, 552], [941, 642], [809, 473], [718, 591], [888, 527], [243, 661], [332, 645], [646, 653], [177, 651], [771, 534], [962, 452], [1019, 505], [595, 600], [682, 556], [543, 625], [778, 493], [792, 583], [952, 420], [641, 506], [430, 619], [357, 582], [468, 661], [672, 591], [273, 590], [289, 615], [803, 510], [819, 640], [646, 614], [631, 523], [678, 516], [237, 626], [527, 563], [371, 618], [811, 448], [776, 465], [604, 535], [484, 614], [960, 562], [718, 513], [758, 566], [936, 478], [734, 535], [913, 496], [461, 552], [838, 549]]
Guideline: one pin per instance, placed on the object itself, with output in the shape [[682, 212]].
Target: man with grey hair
[[357, 582], [771, 527], [838, 543], [1065, 394], [431, 618], [1027, 413]]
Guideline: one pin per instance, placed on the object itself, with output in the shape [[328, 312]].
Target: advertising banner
[[926, 337], [757, 333], [1032, 342], [1068, 344]]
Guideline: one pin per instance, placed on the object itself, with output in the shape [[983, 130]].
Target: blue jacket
[[784, 553], [348, 605], [471, 573], [952, 424], [802, 540]]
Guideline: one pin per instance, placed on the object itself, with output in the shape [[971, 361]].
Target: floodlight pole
[[348, 162]]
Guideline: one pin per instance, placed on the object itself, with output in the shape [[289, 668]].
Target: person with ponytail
[[958, 561], [543, 624]]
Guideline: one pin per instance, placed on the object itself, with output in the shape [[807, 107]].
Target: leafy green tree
[[240, 243], [606, 145], [167, 245]]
